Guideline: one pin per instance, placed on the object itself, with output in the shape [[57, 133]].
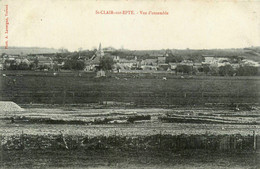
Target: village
[[110, 59], [129, 84]]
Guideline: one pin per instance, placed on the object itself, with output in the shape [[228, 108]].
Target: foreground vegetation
[[206, 151], [150, 90]]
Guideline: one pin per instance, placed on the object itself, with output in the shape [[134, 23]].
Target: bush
[[184, 69], [174, 59], [214, 71], [73, 64], [15, 66], [247, 71], [106, 63], [226, 70], [23, 66], [206, 69]]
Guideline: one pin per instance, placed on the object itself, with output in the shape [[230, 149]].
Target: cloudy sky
[[74, 24]]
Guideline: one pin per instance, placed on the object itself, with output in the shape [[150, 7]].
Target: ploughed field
[[94, 122], [128, 138], [144, 90]]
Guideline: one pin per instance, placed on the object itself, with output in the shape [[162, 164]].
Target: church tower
[[95, 59], [100, 52]]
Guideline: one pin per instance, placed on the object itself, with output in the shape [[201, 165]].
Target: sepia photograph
[[128, 84]]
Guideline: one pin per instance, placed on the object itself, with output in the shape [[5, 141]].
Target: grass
[[149, 90], [182, 151]]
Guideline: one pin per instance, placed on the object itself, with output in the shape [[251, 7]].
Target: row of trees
[[240, 71], [12, 65], [73, 64], [25, 66], [226, 70], [106, 63]]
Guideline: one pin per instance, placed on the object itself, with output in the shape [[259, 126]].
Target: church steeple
[[100, 52], [99, 48]]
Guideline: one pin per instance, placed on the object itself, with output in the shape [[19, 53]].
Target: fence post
[[254, 135], [22, 140], [64, 141], [64, 97], [115, 137], [160, 145], [1, 150], [53, 98]]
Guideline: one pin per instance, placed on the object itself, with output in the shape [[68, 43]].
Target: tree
[[187, 69], [184, 69], [214, 71], [42, 67], [79, 65], [36, 61], [10, 65], [194, 71], [60, 57], [73, 64], [247, 71], [55, 67], [106, 63], [173, 58], [23, 66], [196, 58], [226, 70], [179, 69], [206, 69]]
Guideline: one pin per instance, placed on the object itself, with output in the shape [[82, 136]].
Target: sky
[[74, 24]]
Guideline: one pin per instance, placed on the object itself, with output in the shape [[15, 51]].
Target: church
[[94, 61]]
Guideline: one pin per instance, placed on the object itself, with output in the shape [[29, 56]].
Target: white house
[[173, 65], [248, 62]]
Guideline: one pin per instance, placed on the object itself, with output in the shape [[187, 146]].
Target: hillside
[[252, 53], [26, 50]]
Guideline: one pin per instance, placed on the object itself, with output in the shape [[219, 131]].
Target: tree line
[[226, 70]]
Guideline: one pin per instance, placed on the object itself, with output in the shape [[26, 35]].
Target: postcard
[[129, 84]]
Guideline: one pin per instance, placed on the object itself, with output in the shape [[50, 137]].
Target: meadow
[[149, 90]]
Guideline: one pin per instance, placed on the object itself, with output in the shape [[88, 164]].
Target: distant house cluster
[[222, 61], [26, 62], [159, 63], [123, 61]]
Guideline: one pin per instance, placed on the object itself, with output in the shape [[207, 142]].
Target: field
[[74, 120], [33, 121], [118, 159], [45, 138], [136, 90], [146, 143]]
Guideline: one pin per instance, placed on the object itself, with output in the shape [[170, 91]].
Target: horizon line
[[128, 48]]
